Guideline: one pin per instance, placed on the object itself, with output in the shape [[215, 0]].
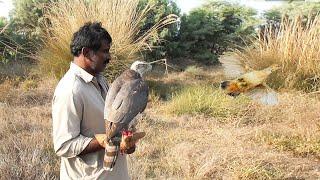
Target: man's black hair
[[90, 35]]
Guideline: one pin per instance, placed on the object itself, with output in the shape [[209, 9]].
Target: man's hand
[[101, 138], [128, 142], [130, 150], [93, 146]]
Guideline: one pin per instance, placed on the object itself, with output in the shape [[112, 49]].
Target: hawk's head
[[141, 67]]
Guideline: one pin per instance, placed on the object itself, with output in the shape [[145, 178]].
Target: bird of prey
[[248, 81], [126, 98]]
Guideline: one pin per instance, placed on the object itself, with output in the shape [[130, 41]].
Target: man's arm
[[67, 109], [93, 146]]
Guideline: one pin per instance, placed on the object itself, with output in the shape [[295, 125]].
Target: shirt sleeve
[[67, 109]]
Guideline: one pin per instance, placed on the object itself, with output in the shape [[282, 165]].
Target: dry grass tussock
[[261, 142], [120, 17], [295, 47]]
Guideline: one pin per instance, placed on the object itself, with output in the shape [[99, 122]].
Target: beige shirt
[[77, 114]]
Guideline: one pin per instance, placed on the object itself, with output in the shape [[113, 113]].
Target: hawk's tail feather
[[111, 155]]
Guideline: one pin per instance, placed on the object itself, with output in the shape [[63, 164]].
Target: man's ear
[[85, 52]]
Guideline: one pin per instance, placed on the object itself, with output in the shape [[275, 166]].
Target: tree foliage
[[200, 33], [272, 15], [22, 35], [27, 17], [290, 10], [3, 23], [210, 30], [204, 34], [160, 9]]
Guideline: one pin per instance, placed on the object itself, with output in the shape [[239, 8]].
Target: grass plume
[[295, 47], [121, 18]]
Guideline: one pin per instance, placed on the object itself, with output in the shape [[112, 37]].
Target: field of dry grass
[[258, 142], [25, 131]]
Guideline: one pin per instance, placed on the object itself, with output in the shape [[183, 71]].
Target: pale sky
[[185, 5], [5, 7], [259, 5]]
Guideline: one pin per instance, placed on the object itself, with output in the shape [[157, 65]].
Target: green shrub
[[206, 100]]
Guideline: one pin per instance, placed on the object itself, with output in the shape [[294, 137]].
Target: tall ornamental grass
[[121, 18], [295, 47]]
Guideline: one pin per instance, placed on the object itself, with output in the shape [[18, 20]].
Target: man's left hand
[[130, 150]]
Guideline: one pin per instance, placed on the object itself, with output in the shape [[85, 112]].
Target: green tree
[[292, 9], [210, 30], [238, 20], [305, 8], [24, 30], [8, 47], [200, 34], [167, 35], [273, 15], [27, 17], [3, 23]]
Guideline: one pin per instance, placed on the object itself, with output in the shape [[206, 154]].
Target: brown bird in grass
[[248, 81]]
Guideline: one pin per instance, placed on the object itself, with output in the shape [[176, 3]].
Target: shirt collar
[[87, 77]]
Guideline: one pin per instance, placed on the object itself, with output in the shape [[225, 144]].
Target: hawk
[[126, 98]]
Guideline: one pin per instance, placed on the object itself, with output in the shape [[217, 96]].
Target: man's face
[[100, 58]]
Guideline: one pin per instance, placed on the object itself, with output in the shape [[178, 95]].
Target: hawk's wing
[[130, 100], [112, 93]]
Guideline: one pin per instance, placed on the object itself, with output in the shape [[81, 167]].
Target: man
[[78, 106]]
